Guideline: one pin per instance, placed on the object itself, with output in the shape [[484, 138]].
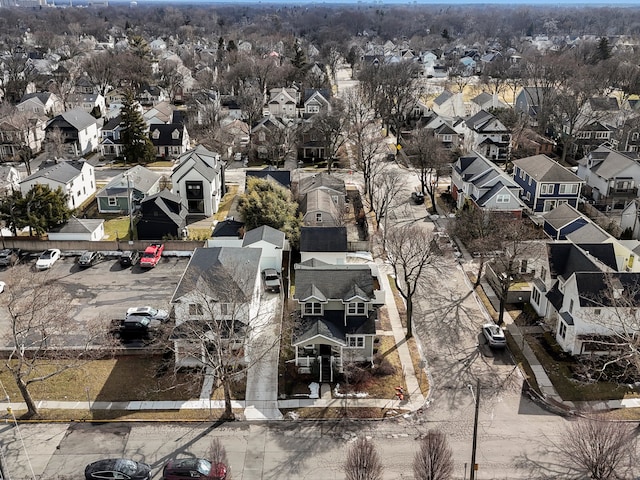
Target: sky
[[556, 3]]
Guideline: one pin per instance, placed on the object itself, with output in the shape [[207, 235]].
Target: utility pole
[[475, 430]]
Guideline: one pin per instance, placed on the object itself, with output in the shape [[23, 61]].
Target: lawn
[[117, 228], [335, 412]]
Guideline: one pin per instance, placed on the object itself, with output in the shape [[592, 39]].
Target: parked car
[[417, 197], [2, 285], [151, 255], [494, 335], [148, 312], [194, 468], [129, 258], [9, 257], [134, 328], [89, 258], [271, 279], [122, 468], [47, 259]]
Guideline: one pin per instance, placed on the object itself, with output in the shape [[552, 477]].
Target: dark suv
[[129, 258], [8, 257], [185, 468]]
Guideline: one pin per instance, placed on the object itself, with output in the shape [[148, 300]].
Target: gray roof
[[562, 215], [77, 118], [80, 225], [333, 282], [62, 172], [320, 180], [607, 162], [264, 233], [443, 97], [332, 326], [205, 162], [140, 178], [323, 239], [542, 169], [566, 258], [595, 288], [228, 228], [222, 273], [590, 232], [319, 201]]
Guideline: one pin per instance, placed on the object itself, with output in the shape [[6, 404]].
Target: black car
[[417, 197], [129, 258], [121, 468], [187, 468], [88, 258], [8, 257]]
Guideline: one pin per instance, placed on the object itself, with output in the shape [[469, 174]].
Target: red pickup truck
[[151, 255]]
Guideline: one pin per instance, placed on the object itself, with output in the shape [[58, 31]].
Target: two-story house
[[93, 103], [532, 102], [334, 323], [198, 179], [79, 130], [545, 183], [161, 215], [611, 177], [283, 102], [486, 134], [21, 136], [169, 140], [219, 293], [482, 184], [322, 200], [41, 103], [111, 145], [315, 101], [75, 178]]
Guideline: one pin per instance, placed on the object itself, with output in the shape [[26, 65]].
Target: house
[[92, 103], [447, 136], [486, 101], [327, 244], [83, 229], [319, 209], [134, 184], [534, 144], [486, 134], [280, 177], [315, 101], [220, 282], [611, 177], [40, 103], [159, 113], [21, 135], [162, 215], [530, 101], [479, 182], [563, 220], [79, 130], [270, 136], [270, 241], [170, 140], [111, 145], [9, 179], [227, 233], [335, 187], [545, 183], [449, 104], [198, 179], [283, 102], [75, 178], [150, 95], [335, 318]]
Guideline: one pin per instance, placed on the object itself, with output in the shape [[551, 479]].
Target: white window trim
[[503, 198], [353, 308], [315, 308], [356, 342], [113, 201]]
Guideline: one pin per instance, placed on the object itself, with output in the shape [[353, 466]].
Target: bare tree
[[385, 192], [171, 78], [430, 159], [100, 68], [598, 449], [434, 460], [218, 457], [363, 461], [251, 100], [40, 327], [411, 249], [55, 143], [332, 127]]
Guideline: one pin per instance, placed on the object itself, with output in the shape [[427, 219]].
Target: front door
[[326, 374]]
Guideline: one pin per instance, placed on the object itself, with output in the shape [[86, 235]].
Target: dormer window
[[312, 308], [156, 134], [175, 134]]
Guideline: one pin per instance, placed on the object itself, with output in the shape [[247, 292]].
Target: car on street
[[494, 335], [185, 468], [89, 258], [151, 255], [8, 257], [121, 468], [47, 259], [134, 328], [417, 198], [148, 312], [2, 286], [129, 258], [271, 279]]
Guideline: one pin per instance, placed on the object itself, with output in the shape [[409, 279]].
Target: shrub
[[383, 367]]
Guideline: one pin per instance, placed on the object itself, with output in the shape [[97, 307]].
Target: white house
[[76, 178], [327, 244], [221, 283], [79, 130], [198, 179]]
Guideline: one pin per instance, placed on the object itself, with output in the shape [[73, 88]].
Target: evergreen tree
[[137, 144], [40, 209], [604, 49]]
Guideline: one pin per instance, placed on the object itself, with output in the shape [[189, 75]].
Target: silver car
[[494, 335]]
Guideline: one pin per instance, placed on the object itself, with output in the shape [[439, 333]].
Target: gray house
[[138, 182]]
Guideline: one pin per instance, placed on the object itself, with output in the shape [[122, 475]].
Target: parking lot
[[104, 291]]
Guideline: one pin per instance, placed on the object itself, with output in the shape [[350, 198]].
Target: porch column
[[320, 363], [296, 355]]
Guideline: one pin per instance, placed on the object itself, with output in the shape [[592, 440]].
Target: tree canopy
[[40, 208], [266, 203], [137, 144]]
